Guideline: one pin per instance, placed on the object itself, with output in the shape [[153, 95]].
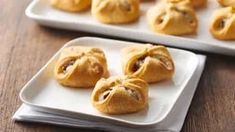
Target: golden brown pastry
[[195, 3], [71, 5], [80, 66], [199, 3], [148, 62], [115, 11], [176, 17], [120, 95], [227, 2], [222, 24]]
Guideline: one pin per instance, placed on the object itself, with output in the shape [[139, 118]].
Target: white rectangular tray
[[43, 13], [42, 91]]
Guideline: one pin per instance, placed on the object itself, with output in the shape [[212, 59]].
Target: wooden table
[[26, 47]]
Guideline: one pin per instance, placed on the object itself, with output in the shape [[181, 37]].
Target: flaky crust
[[120, 95], [148, 62], [227, 2], [80, 66], [175, 17], [222, 25], [115, 11], [71, 5], [195, 3], [199, 3]]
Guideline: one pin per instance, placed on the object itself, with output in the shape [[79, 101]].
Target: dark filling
[[161, 18], [105, 94], [68, 66], [184, 13], [131, 92], [138, 63], [221, 24]]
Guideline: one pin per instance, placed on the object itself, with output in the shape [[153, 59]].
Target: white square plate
[[43, 13], [43, 91]]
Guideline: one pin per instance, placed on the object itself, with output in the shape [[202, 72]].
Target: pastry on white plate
[[120, 95], [80, 66], [148, 62]]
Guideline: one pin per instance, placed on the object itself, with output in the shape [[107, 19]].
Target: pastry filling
[[68, 66], [105, 94], [161, 18], [138, 63], [133, 93], [165, 61], [221, 24]]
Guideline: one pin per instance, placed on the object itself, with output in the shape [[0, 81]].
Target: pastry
[[175, 17], [222, 24], [120, 95], [227, 2], [148, 62], [80, 66], [195, 3], [71, 5], [115, 11], [199, 3]]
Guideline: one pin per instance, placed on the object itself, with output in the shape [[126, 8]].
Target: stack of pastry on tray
[[86, 67], [174, 17]]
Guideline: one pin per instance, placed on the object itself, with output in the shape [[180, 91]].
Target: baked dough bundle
[[222, 24], [175, 17], [120, 95], [71, 5], [115, 11], [80, 66], [148, 62], [227, 2]]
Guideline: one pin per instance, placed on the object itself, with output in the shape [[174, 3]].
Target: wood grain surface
[[25, 47]]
